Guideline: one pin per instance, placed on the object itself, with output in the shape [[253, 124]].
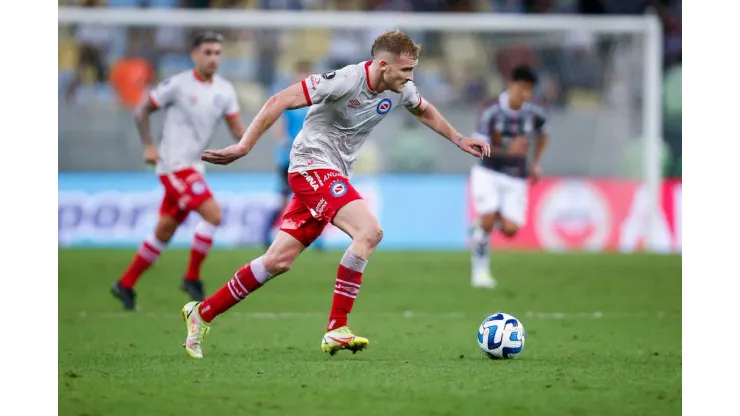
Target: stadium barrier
[[418, 212]]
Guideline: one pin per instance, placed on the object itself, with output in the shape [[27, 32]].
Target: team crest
[[338, 188], [384, 106], [198, 187]]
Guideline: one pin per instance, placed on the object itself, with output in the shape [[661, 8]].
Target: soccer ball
[[501, 336]]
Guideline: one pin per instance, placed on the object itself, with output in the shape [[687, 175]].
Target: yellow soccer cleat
[[343, 338], [197, 329]]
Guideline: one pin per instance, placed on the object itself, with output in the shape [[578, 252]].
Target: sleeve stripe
[[232, 115], [420, 100], [153, 102], [305, 92]]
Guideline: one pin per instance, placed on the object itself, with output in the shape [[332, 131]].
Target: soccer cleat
[[197, 329], [194, 288], [126, 296], [483, 280], [343, 338]]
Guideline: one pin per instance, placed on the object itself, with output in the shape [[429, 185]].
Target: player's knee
[[372, 236], [277, 263], [510, 229], [487, 222], [165, 229], [212, 214], [216, 219]]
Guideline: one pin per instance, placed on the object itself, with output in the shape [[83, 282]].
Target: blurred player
[[193, 101], [287, 128], [345, 106], [498, 183]]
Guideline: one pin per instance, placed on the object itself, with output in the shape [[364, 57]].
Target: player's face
[[520, 91], [399, 72], [207, 57]]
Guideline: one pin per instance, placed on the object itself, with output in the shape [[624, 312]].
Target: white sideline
[[405, 314]]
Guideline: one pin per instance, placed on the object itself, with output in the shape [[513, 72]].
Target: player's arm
[[543, 137], [161, 96], [281, 130], [142, 115], [232, 114], [290, 98], [428, 115], [236, 126]]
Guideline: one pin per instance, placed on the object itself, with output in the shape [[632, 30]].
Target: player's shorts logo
[[338, 188], [384, 106], [198, 187]]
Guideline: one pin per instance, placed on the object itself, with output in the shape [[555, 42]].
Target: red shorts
[[184, 191], [318, 194]]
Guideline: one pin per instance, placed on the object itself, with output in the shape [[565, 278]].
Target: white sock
[[480, 259]]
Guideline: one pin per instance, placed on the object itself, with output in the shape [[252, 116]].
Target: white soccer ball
[[501, 336]]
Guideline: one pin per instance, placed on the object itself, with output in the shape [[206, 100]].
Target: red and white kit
[[193, 106]]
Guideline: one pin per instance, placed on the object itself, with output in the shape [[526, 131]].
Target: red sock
[[146, 256], [201, 246], [349, 279], [245, 281]]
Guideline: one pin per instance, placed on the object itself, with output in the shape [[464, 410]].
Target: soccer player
[[287, 128], [345, 106], [193, 101], [498, 183]]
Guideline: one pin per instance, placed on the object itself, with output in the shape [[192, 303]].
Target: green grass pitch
[[603, 338]]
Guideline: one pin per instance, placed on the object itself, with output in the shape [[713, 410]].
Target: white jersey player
[[498, 183], [194, 102], [345, 106]]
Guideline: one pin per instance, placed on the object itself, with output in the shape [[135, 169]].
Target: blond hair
[[397, 43]]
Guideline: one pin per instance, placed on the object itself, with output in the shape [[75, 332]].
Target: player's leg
[[147, 254], [284, 199], [211, 215], [299, 230], [355, 219], [514, 206], [486, 196]]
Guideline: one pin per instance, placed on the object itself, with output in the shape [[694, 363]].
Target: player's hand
[[536, 173], [150, 154], [518, 147], [475, 147], [223, 156]]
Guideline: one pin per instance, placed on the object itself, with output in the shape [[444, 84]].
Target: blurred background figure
[[94, 41]]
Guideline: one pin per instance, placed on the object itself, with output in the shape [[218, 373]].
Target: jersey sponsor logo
[[310, 180], [198, 187], [330, 174], [338, 188], [384, 106], [321, 206], [353, 103], [329, 75]]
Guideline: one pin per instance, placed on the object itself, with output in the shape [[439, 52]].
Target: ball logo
[[384, 106], [338, 188], [573, 215]]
